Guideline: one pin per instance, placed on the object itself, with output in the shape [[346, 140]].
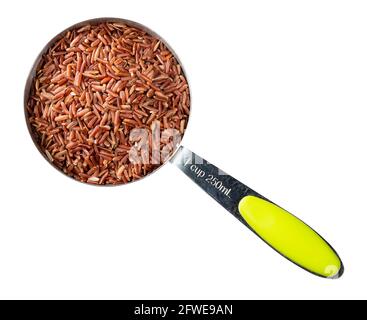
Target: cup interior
[[151, 97]]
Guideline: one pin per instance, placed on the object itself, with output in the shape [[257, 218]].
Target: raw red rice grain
[[92, 87]]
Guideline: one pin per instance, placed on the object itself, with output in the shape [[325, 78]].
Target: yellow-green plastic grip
[[290, 236]]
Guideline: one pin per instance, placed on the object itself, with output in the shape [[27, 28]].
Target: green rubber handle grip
[[291, 237]]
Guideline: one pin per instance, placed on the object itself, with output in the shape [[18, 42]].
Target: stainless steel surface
[[222, 187]]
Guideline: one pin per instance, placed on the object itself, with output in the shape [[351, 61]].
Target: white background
[[279, 101]]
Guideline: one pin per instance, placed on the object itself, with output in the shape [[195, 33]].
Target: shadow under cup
[[107, 101]]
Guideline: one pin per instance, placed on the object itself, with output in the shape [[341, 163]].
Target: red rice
[[92, 87]]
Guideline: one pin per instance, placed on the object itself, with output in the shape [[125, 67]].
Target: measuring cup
[[281, 230]]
